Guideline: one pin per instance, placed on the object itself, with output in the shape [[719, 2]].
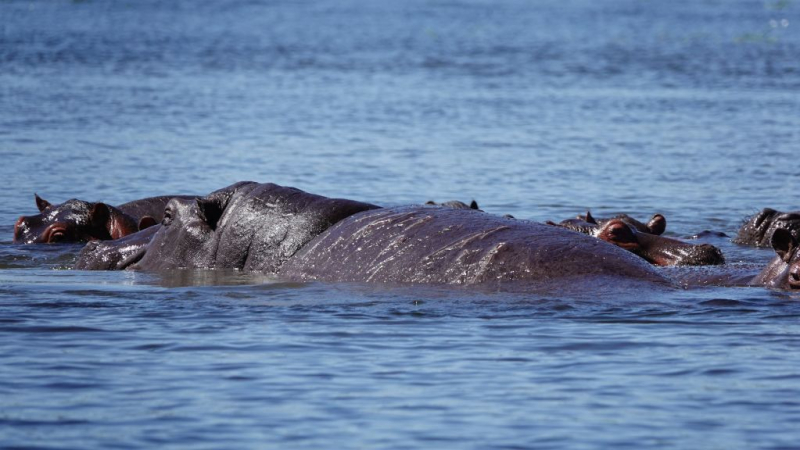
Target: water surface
[[538, 109]]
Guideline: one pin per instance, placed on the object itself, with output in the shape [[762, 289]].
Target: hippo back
[[451, 246]]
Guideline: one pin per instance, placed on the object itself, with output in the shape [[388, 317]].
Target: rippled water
[[538, 109]]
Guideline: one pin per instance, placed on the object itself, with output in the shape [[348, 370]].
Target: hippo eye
[[167, 217], [57, 236]]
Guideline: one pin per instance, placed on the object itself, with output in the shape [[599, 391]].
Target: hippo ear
[[783, 243], [99, 217], [430, 202], [41, 203], [209, 211], [589, 218], [657, 225], [146, 222], [473, 205]]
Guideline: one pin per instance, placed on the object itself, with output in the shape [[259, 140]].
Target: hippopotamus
[[657, 224], [81, 221], [419, 244], [246, 226], [624, 232], [757, 230], [783, 272], [455, 204]]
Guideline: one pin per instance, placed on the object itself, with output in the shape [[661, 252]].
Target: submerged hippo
[[783, 272], [757, 229], [453, 246], [248, 226], [657, 224], [82, 221], [658, 250], [455, 204]]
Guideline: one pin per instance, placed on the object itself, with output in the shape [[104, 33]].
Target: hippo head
[[758, 229], [657, 224], [783, 272], [658, 250], [73, 221], [185, 238], [455, 204]]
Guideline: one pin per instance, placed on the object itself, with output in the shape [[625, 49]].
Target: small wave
[[50, 329]]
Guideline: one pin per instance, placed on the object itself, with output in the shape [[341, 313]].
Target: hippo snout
[[705, 255]]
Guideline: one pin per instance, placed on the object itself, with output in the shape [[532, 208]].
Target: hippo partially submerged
[[82, 221], [300, 236], [656, 225], [757, 230], [783, 272], [455, 204], [248, 226], [635, 236]]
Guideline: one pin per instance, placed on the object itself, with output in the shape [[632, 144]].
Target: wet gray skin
[[757, 229], [82, 221], [115, 254], [658, 250], [783, 272], [248, 226], [454, 246], [455, 204]]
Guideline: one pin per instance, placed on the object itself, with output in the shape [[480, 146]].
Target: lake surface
[[540, 109]]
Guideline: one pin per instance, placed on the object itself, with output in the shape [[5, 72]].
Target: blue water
[[538, 109]]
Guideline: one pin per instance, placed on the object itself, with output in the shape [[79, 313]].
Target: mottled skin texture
[[456, 246], [82, 221], [658, 250], [757, 229], [248, 226]]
